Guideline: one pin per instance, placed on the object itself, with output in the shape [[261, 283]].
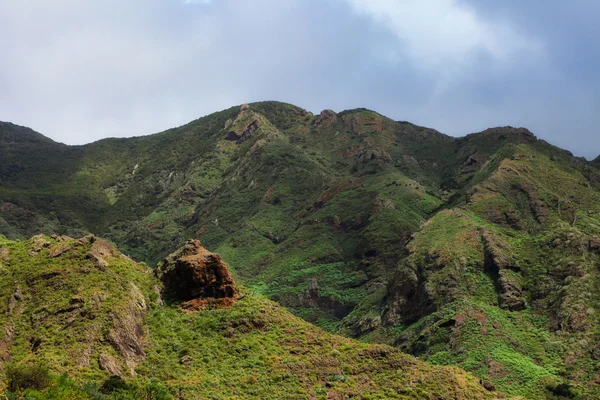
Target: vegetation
[[78, 312], [479, 252]]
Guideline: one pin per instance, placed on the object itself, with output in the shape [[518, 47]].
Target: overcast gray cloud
[[81, 70]]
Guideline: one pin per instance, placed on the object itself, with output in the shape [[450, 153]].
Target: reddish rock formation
[[326, 118], [371, 155], [197, 277]]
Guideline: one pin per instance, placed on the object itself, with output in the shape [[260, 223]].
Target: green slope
[[477, 251], [83, 310], [505, 284], [286, 196]]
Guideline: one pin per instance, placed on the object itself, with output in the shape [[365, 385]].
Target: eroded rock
[[326, 118], [128, 335], [37, 244], [512, 296], [14, 300], [379, 155], [246, 134], [197, 278], [537, 206], [497, 263], [109, 364], [100, 251], [57, 251]]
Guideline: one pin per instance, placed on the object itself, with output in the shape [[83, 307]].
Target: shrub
[[112, 384], [564, 390], [153, 390], [34, 376]]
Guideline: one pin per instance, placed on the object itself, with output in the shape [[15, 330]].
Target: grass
[[254, 349]]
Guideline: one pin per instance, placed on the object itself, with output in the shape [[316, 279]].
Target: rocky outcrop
[[497, 264], [537, 207], [37, 244], [364, 121], [57, 251], [246, 134], [197, 278], [506, 132], [312, 298], [109, 364], [409, 297], [14, 300], [127, 336], [364, 156], [100, 250], [326, 118]]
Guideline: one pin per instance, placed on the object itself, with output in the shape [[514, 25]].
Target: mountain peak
[[505, 132], [13, 134]]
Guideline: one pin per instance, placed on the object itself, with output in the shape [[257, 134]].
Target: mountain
[[479, 251], [83, 321]]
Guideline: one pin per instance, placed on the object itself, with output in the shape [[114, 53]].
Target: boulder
[[197, 278]]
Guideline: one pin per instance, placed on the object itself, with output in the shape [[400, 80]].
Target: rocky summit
[[479, 252]]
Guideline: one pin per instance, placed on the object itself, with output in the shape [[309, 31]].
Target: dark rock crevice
[[504, 274], [246, 134], [312, 298]]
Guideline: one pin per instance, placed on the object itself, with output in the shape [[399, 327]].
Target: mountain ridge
[[340, 113], [377, 229]]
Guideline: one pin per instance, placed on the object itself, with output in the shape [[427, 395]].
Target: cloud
[[197, 1], [79, 71], [437, 33]]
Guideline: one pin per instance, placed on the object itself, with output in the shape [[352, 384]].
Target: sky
[[81, 70]]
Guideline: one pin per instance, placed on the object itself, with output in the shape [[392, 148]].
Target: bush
[[34, 376], [112, 384], [564, 390], [153, 390]]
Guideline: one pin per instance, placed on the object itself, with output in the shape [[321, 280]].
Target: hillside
[[480, 251], [97, 320], [289, 198], [505, 283]]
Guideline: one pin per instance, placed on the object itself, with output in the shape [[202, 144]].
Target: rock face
[[108, 363], [326, 118], [100, 250], [197, 278], [246, 134], [127, 336], [312, 298]]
